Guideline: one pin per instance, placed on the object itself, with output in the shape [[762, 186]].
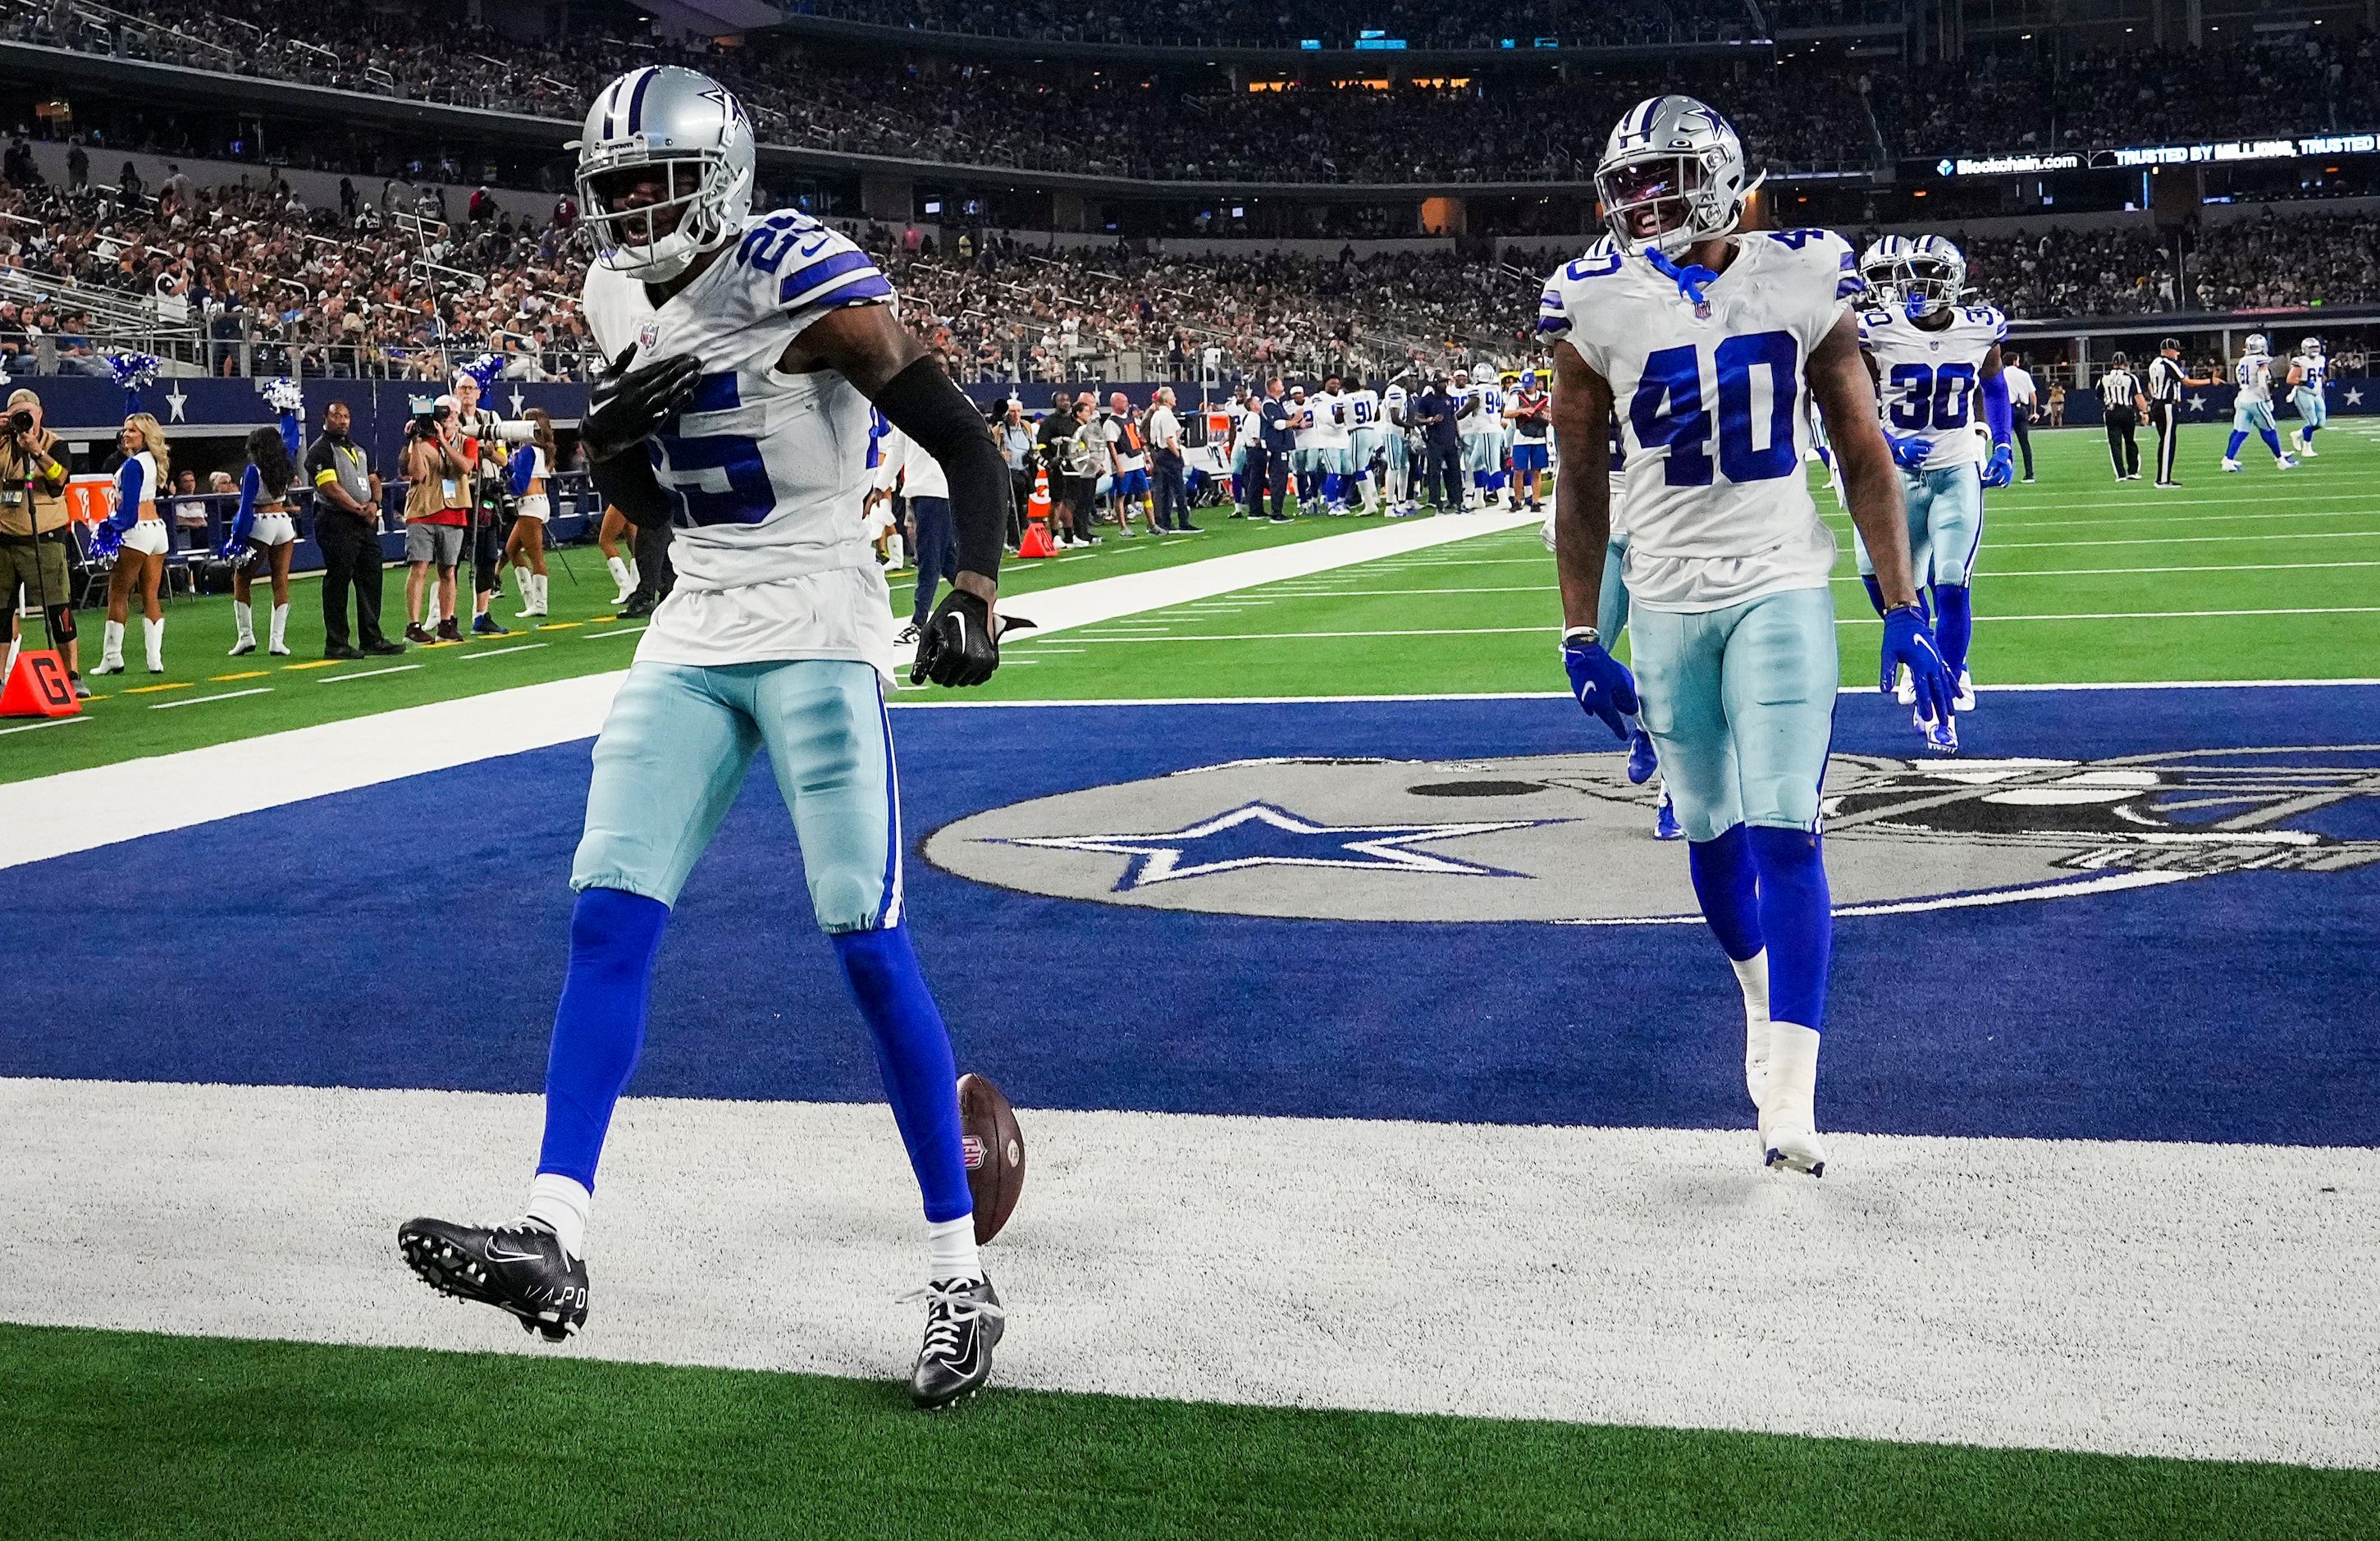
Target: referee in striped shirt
[[2167, 382], [2119, 393]]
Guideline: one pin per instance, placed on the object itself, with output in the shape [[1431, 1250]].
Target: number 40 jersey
[[1711, 408], [1926, 382]]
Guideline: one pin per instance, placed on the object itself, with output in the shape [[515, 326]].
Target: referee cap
[[2119, 360], [2171, 344]]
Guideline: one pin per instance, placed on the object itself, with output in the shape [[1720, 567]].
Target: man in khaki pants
[[33, 527]]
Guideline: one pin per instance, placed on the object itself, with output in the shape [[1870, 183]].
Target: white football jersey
[[1395, 409], [1303, 420], [769, 471], [1488, 416], [2311, 370], [1331, 419], [1712, 410], [1926, 382], [1363, 410], [2254, 377]]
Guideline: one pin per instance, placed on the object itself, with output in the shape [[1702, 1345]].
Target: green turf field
[[127, 1436]]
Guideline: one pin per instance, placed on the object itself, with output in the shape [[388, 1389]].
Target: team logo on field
[[1565, 838]]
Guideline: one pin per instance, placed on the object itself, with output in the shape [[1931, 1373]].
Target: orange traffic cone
[[1036, 541]]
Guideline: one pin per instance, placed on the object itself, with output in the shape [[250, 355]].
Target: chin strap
[[1690, 279]]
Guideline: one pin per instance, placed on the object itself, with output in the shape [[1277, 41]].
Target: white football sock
[[563, 1205], [243, 620], [280, 626], [950, 1250], [1752, 976], [1789, 1099], [619, 574], [111, 646], [153, 633]]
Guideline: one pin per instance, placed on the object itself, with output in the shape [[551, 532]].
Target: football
[[995, 1154]]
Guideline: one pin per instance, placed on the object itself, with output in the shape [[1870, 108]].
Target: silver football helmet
[[2258, 345], [664, 170], [1672, 173], [1920, 273], [2310, 345]]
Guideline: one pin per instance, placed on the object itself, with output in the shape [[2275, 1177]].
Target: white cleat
[[1964, 700], [1904, 688], [1796, 1150], [2305, 448], [2229, 464], [2283, 463], [1788, 1125], [1940, 737]]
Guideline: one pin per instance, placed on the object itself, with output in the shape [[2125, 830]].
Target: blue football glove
[[2000, 469], [1604, 686], [1908, 451], [1909, 640]]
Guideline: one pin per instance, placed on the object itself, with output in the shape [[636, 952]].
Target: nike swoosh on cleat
[[496, 1257]]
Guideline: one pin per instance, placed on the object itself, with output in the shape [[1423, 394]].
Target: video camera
[[427, 417]]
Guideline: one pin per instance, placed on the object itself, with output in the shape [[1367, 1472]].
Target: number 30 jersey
[[1711, 409], [1926, 382], [769, 471]]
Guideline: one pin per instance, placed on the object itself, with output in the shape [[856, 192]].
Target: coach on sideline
[[346, 527]]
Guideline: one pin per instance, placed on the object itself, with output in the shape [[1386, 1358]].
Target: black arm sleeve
[[627, 483], [922, 403]]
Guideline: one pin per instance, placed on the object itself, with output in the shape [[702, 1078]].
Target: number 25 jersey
[[768, 470], [1711, 410], [1926, 382]]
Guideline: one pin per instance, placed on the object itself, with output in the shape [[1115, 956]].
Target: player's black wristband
[[922, 403], [627, 483]]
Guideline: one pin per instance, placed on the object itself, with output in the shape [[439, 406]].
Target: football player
[[1364, 457], [747, 348], [1530, 413], [2252, 410], [2308, 371], [1305, 458], [1396, 420], [1933, 359], [1483, 438], [1330, 437], [1706, 343]]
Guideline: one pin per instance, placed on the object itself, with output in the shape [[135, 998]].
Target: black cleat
[[964, 1320], [519, 1268]]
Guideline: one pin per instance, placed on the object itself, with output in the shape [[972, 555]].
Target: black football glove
[[625, 406], [957, 645]]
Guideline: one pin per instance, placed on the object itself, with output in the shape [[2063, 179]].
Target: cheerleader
[[263, 533], [623, 568], [525, 549], [137, 536]]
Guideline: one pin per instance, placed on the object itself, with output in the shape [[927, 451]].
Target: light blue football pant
[[2313, 410], [1483, 453], [1740, 704], [2254, 417], [673, 754], [1946, 525]]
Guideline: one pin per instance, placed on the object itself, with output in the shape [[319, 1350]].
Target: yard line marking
[[367, 674], [561, 625], [2189, 539], [146, 690], [1084, 557], [1844, 621], [202, 700], [2144, 615], [500, 652], [622, 631], [250, 674], [2107, 571], [317, 663], [46, 722]]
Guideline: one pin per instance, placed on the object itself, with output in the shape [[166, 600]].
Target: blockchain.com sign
[[2145, 156]]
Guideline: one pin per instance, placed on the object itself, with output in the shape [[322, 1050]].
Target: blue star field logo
[[1258, 834]]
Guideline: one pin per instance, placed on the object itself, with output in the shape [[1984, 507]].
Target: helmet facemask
[[659, 239], [1666, 200]]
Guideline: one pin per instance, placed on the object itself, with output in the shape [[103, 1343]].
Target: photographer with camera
[[438, 499], [33, 521], [484, 437]]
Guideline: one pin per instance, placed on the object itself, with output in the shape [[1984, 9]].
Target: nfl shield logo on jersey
[[647, 334]]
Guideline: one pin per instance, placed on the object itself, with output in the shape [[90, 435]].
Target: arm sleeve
[[627, 483], [130, 488], [250, 484], [1996, 414], [922, 403]]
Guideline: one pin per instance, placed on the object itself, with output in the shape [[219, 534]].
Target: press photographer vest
[[49, 505]]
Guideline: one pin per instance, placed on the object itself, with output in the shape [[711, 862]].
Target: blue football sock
[[2308, 432], [1875, 591], [599, 1028], [1726, 883], [2238, 437], [1331, 485], [1955, 630], [1797, 917], [2272, 441], [913, 1052]]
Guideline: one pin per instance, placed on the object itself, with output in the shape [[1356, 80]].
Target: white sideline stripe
[[49, 723], [202, 700], [1992, 575], [2207, 1301], [84, 809], [1842, 621]]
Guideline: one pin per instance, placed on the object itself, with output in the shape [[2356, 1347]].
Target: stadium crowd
[[1288, 23]]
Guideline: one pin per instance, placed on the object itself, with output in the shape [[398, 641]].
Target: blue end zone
[[413, 934]]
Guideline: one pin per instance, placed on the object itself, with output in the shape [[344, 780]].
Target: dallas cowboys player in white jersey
[[2252, 409], [1933, 359], [1706, 342], [2308, 371], [747, 350]]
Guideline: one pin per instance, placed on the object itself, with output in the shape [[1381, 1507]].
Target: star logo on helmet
[[731, 110]]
